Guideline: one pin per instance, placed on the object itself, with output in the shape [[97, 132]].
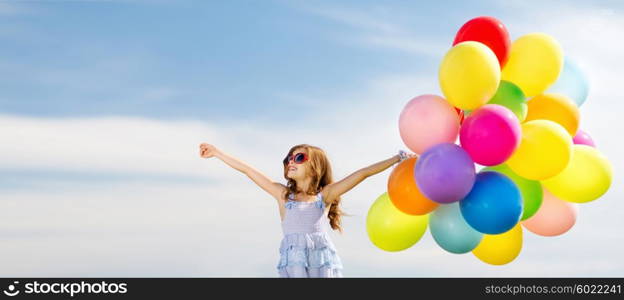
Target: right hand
[[207, 150]]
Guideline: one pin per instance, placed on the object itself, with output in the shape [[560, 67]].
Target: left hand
[[406, 156]]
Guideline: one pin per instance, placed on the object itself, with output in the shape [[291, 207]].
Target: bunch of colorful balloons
[[513, 110]]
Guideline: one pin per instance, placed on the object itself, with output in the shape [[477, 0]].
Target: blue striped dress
[[306, 249]]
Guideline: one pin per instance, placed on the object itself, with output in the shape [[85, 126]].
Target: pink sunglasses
[[298, 158]]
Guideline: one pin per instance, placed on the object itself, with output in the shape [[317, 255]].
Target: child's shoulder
[[324, 194], [283, 192]]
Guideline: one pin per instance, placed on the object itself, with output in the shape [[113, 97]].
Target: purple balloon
[[445, 173]]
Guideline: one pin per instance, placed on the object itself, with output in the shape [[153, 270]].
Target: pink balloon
[[583, 138], [426, 121], [490, 134], [553, 218]]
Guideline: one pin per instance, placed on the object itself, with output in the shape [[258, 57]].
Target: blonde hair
[[319, 170]]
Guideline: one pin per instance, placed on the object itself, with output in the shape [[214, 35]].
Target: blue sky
[[103, 105], [206, 59]]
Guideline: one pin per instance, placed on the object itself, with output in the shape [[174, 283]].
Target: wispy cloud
[[375, 31], [142, 145]]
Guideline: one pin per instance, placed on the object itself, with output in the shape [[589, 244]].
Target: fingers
[[206, 150], [203, 148]]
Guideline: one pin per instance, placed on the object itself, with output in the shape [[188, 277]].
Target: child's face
[[297, 171]]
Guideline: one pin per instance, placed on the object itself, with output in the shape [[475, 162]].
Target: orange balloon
[[557, 108], [404, 192]]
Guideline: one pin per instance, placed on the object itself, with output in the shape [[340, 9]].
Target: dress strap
[[320, 202], [290, 202]]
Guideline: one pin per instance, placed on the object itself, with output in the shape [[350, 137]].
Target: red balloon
[[489, 31], [460, 114]]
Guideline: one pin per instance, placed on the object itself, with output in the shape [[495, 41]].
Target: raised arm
[[275, 189], [336, 189]]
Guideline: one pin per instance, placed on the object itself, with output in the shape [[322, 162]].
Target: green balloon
[[511, 96], [391, 229], [531, 190]]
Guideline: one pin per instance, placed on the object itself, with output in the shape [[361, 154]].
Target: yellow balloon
[[469, 75], [535, 61], [586, 178], [500, 249], [391, 229], [544, 150], [557, 108]]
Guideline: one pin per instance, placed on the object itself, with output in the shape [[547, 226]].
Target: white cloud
[[117, 144]]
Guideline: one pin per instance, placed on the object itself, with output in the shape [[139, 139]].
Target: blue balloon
[[571, 82], [450, 230], [494, 205]]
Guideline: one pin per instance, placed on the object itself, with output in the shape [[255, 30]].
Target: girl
[[308, 202]]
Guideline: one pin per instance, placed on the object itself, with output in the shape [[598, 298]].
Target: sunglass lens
[[299, 158]]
